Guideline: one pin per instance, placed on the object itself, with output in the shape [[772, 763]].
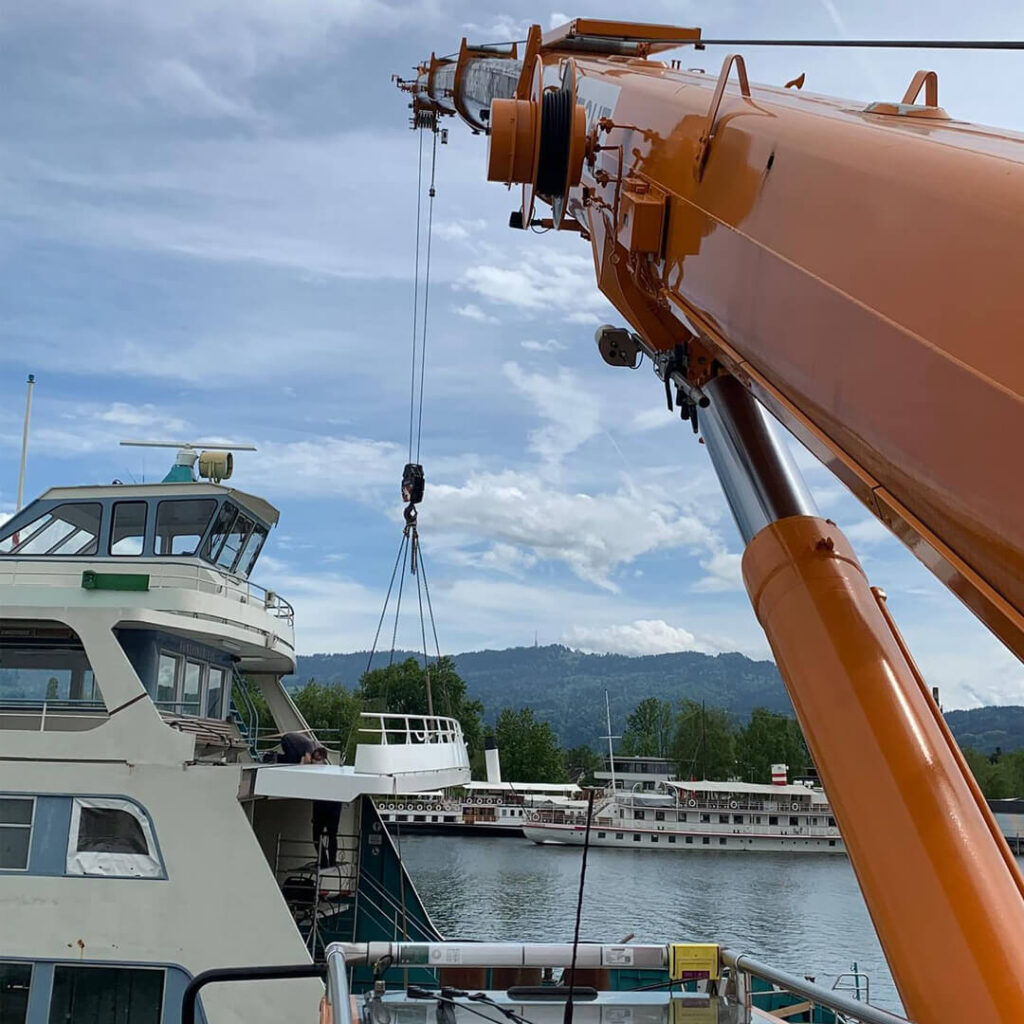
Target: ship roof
[[258, 506], [765, 789], [524, 787]]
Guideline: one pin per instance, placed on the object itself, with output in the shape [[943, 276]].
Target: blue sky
[[208, 229]]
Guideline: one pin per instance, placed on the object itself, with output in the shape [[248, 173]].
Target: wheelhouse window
[[128, 532], [15, 833], [181, 523], [103, 995], [252, 549], [111, 837], [235, 540], [68, 529], [225, 517], [15, 983]]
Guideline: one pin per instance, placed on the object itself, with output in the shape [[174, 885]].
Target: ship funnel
[[492, 759], [780, 774]]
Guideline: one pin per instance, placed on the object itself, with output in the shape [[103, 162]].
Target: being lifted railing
[[411, 728]]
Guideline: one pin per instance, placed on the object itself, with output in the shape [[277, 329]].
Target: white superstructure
[[142, 840], [706, 815]]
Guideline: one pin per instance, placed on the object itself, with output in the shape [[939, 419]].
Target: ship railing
[[407, 729], [390, 913], [737, 987], [59, 715], [163, 574]]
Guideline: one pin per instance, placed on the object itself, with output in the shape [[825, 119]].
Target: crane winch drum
[[539, 142]]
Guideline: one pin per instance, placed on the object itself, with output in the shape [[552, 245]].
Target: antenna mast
[[609, 738], [24, 441]]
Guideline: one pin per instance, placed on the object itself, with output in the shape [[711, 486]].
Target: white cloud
[[592, 534], [572, 412], [644, 636], [325, 466], [473, 312], [723, 573], [867, 532], [550, 345], [541, 281], [654, 418], [459, 230], [144, 416]]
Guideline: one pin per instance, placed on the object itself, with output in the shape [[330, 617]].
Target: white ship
[[720, 816], [489, 808], [142, 839]]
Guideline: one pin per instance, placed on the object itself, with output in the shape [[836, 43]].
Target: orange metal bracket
[[711, 124], [930, 81]]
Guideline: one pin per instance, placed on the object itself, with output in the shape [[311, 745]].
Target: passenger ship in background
[[488, 808], [678, 815], [142, 838]]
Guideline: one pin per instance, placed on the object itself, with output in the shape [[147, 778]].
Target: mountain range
[[567, 688]]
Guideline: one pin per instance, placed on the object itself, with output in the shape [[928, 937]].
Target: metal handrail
[[400, 728], [338, 998], [183, 574], [250, 723], [831, 1000]]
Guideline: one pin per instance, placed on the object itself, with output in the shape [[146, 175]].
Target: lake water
[[802, 913]]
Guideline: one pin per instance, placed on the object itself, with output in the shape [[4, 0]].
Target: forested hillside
[[566, 688]]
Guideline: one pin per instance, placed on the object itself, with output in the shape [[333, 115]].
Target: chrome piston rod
[[747, 446]]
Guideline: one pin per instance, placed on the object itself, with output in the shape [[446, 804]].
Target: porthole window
[[111, 837]]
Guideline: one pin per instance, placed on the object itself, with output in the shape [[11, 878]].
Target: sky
[[208, 230]]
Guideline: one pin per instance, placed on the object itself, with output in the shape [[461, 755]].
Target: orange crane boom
[[852, 268]]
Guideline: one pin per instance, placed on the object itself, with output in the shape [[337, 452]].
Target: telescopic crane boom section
[[855, 268]]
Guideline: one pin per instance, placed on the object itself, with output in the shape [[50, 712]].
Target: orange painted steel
[[945, 899], [858, 266]]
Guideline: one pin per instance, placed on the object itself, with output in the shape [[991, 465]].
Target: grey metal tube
[[809, 990], [483, 79], [761, 481], [337, 985]]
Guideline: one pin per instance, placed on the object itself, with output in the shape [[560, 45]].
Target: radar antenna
[[216, 462]]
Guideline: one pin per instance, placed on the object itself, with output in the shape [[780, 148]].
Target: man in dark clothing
[[326, 816], [297, 748]]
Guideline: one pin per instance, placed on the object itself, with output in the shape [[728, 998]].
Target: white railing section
[[163, 574], [393, 744], [26, 714], [391, 728]]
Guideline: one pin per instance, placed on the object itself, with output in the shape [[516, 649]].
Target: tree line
[[700, 742]]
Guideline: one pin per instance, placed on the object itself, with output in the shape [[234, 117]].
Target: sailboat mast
[[611, 751]]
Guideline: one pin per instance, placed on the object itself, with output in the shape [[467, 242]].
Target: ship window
[[15, 832], [794, 820], [233, 542], [654, 839], [737, 819], [214, 692], [220, 530], [706, 819], [721, 842], [252, 549], [618, 835], [167, 672], [723, 819], [419, 817], [689, 840], [68, 529], [640, 815], [111, 837], [15, 982], [706, 841], [103, 995], [671, 839], [636, 837], [191, 687], [180, 524], [401, 817], [659, 815], [832, 822], [600, 835], [831, 842], [129, 528], [773, 819]]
